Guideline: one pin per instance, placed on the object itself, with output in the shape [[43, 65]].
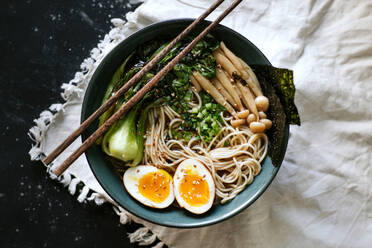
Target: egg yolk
[[155, 186], [194, 190]]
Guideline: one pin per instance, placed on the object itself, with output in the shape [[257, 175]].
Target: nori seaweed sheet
[[277, 85], [282, 81]]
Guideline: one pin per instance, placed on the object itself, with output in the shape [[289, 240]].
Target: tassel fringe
[[143, 236]]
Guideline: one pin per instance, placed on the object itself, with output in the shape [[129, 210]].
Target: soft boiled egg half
[[194, 187], [149, 185]]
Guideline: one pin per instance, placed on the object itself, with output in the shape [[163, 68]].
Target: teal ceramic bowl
[[108, 178]]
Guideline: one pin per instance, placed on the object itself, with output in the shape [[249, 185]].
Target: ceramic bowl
[[108, 178]]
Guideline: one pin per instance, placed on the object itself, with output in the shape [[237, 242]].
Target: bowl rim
[[230, 214]]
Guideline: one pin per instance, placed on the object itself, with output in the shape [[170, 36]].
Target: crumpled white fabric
[[322, 194]]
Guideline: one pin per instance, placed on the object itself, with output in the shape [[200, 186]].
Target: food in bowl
[[276, 84], [208, 112]]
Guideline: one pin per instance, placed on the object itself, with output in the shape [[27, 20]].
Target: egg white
[[196, 168], [131, 180]]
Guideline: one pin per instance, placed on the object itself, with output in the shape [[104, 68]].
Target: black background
[[42, 44]]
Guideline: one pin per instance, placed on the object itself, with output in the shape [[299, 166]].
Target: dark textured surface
[[42, 45]]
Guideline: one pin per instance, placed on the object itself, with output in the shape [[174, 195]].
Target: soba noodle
[[233, 167]]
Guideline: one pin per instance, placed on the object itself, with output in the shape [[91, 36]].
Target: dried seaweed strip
[[276, 113], [282, 81]]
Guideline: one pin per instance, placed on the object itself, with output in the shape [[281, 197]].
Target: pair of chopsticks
[[138, 96]]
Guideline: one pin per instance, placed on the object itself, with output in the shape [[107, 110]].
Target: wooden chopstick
[[126, 86], [146, 88]]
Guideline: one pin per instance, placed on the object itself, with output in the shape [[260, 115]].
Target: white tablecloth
[[322, 194]]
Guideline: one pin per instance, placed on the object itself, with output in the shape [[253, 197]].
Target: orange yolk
[[155, 186], [194, 190]]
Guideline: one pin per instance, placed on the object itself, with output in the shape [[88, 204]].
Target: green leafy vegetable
[[158, 50], [115, 83], [121, 142], [171, 54]]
